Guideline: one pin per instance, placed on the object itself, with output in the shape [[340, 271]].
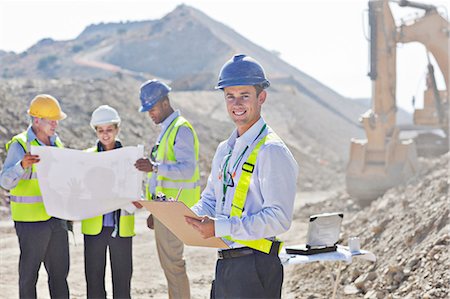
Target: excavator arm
[[383, 160], [431, 30]]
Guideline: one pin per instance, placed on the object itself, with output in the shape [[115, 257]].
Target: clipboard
[[171, 214]]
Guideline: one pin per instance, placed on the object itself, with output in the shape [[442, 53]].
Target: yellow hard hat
[[46, 106]]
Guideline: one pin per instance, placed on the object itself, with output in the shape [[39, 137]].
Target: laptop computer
[[323, 234]]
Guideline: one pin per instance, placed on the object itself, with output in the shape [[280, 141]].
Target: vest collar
[[166, 123]]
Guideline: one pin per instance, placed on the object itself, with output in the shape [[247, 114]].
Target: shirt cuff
[[222, 227], [18, 170], [11, 178], [130, 208], [163, 169]]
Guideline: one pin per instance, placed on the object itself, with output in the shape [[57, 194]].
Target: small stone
[[398, 277], [372, 294], [350, 289], [361, 281], [372, 275], [355, 274], [394, 269], [405, 289]]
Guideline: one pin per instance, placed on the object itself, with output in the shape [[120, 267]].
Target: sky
[[325, 39]]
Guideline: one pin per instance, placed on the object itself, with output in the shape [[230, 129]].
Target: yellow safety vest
[[26, 198], [93, 226], [240, 195], [164, 155]]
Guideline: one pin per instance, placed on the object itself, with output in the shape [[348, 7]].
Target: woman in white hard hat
[[114, 230]]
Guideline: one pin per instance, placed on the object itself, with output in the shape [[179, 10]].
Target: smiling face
[[107, 134], [244, 105]]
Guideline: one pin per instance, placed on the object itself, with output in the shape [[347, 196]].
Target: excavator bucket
[[371, 173]]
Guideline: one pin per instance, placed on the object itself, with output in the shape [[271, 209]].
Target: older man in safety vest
[[173, 165], [42, 238], [250, 192]]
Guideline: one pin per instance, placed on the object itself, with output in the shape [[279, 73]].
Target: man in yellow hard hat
[[42, 238]]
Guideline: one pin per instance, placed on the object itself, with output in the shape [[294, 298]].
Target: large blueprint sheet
[[76, 185]]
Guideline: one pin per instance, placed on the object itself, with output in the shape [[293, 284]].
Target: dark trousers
[[45, 242], [258, 275], [120, 256]]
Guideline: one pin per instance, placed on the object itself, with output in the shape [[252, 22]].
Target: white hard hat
[[103, 115]]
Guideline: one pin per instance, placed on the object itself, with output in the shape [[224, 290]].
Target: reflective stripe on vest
[[93, 226], [240, 195], [166, 155], [184, 185], [26, 199]]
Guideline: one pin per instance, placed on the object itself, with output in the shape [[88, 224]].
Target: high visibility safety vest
[[165, 155], [93, 226], [240, 195], [26, 198]]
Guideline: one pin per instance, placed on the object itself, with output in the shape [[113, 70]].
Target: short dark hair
[[259, 89], [165, 98]]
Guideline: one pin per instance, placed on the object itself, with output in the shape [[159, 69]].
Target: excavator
[[384, 159]]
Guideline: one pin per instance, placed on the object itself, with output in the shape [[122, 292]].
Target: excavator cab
[[431, 121], [384, 160]]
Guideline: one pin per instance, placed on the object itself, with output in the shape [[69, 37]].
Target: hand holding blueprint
[[76, 185]]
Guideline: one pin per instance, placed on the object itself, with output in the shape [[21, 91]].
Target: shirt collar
[[32, 136], [166, 123], [249, 136]]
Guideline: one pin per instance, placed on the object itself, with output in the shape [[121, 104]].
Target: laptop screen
[[324, 229]]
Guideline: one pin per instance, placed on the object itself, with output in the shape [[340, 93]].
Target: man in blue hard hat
[[173, 164], [251, 189]]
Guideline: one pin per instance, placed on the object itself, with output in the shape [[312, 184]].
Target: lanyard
[[228, 181]]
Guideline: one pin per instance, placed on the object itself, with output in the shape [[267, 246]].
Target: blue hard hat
[[242, 70], [151, 92]]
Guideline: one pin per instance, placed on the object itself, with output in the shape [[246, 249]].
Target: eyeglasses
[[230, 180]]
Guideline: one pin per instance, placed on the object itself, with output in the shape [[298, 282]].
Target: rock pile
[[407, 229]]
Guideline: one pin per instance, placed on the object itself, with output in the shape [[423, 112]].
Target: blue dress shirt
[[270, 200], [184, 167], [12, 169]]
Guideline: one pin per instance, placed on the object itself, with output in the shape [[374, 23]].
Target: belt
[[244, 251]]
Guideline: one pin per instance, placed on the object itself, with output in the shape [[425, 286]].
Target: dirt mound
[[407, 229], [321, 157]]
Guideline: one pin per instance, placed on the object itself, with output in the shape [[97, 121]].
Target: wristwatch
[[155, 168]]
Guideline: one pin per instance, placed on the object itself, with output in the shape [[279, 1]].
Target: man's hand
[[137, 204], [144, 165], [29, 160], [205, 226], [150, 223]]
